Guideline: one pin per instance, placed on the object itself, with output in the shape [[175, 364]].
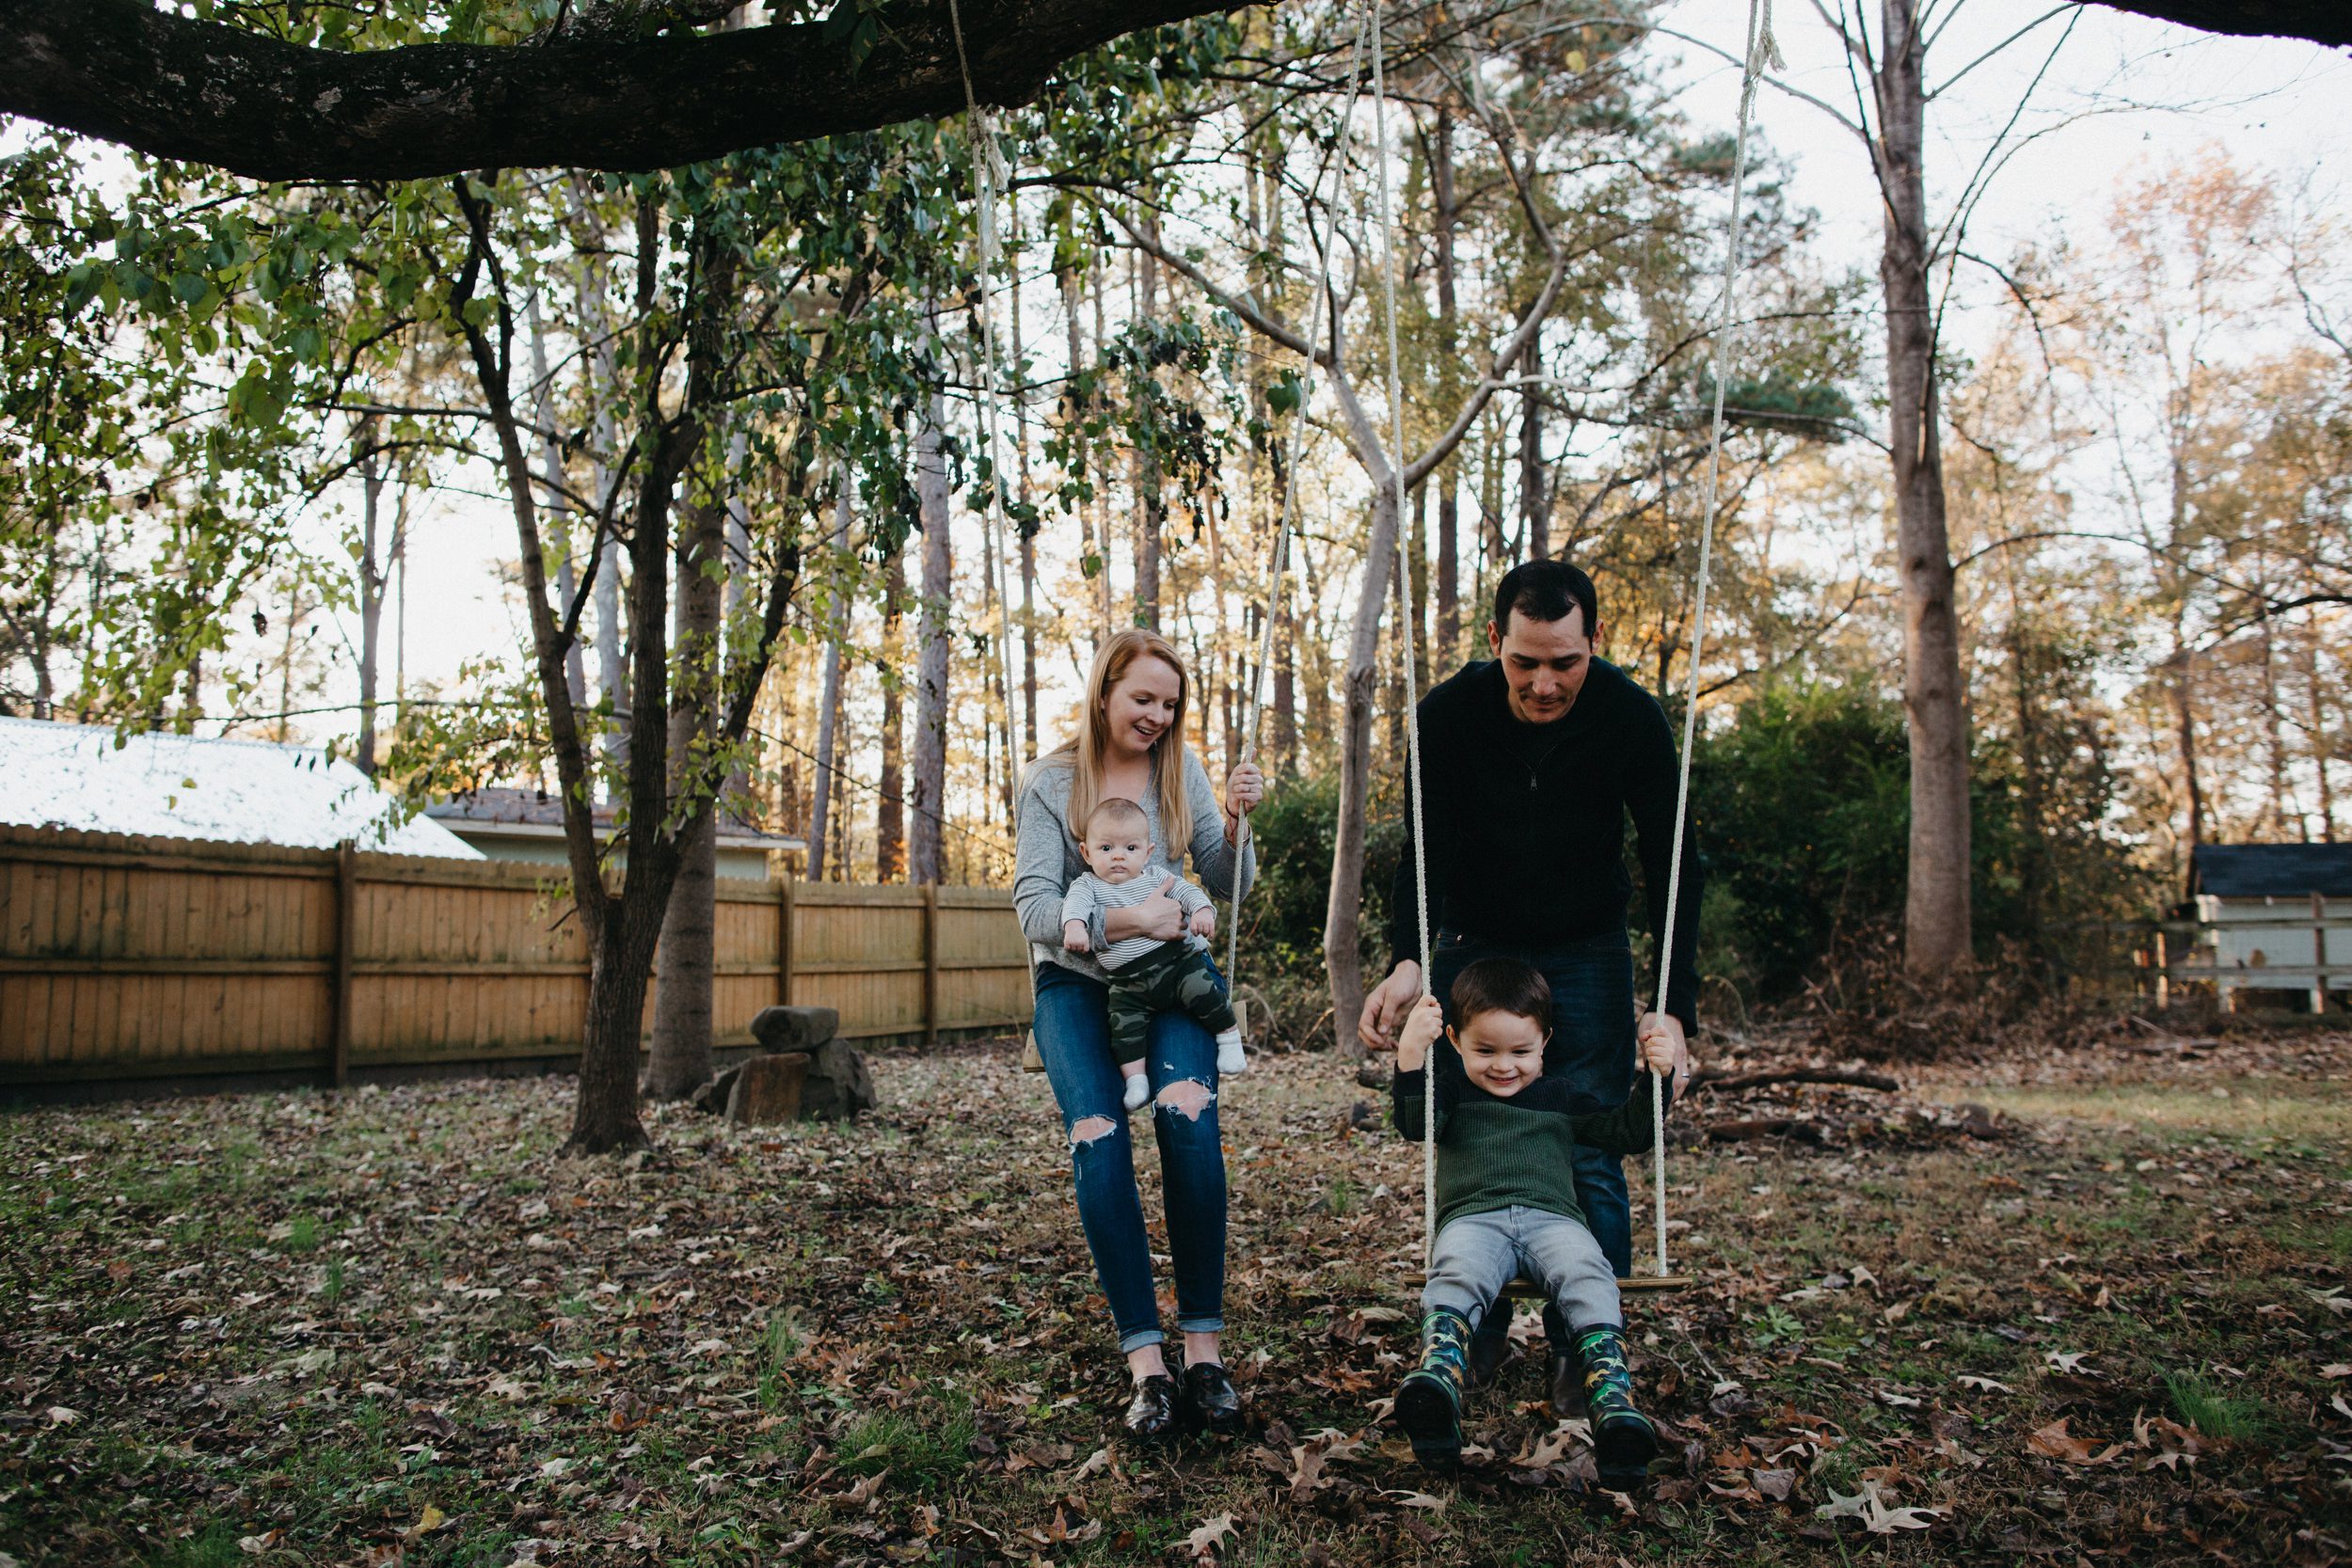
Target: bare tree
[[829, 696], [925, 860]]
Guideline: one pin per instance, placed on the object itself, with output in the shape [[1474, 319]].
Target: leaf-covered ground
[[2102, 1318]]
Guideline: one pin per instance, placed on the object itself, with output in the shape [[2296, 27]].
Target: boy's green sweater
[[1496, 1153]]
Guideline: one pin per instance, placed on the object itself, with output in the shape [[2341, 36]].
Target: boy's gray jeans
[[1479, 1254]]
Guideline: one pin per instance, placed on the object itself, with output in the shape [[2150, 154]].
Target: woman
[[1130, 745]]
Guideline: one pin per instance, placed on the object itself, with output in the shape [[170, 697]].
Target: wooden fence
[[158, 958]]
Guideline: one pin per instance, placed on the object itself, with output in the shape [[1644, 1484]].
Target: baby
[[1147, 976]]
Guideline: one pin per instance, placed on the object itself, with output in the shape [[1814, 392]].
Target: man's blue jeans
[[1073, 1035], [1593, 1022]]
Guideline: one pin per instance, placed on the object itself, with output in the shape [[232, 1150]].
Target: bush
[[1281, 934], [1802, 811]]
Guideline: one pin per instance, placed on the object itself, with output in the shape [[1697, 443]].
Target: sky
[[2124, 95]]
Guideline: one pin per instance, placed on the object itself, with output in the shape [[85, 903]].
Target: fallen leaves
[[1202, 1544], [1877, 1518], [2055, 1442]]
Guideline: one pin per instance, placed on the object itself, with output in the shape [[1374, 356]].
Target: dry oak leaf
[[1875, 1515], [2054, 1442], [1204, 1543]]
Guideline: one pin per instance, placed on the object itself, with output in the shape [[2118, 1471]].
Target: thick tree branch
[[2326, 22], [176, 87]]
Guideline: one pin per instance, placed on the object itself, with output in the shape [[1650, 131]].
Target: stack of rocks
[[806, 1073]]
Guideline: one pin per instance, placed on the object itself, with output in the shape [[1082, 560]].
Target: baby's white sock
[[1138, 1091], [1230, 1059]]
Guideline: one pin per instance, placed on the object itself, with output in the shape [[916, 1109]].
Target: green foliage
[[1282, 919], [1802, 811]]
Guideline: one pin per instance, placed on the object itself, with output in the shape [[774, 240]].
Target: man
[[1531, 763]]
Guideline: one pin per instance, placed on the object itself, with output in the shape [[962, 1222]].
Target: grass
[[885, 1343], [2214, 1415]]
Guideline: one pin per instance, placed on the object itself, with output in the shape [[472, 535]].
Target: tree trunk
[[1151, 504], [926, 861], [1534, 501], [1028, 647], [604, 389], [559, 507], [890, 829], [2185, 730], [2321, 751], [680, 1061], [1936, 912], [1343, 921], [829, 699], [1445, 647], [372, 577]]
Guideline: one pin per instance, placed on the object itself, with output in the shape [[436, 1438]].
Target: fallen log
[[1767, 1127], [1850, 1077]]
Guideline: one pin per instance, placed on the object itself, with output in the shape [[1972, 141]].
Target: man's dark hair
[[1502, 986], [1545, 591]]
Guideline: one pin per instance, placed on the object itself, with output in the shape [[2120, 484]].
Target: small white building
[[528, 825], [88, 778], [2275, 917]]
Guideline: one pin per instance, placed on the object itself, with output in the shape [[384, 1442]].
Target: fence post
[[2319, 953], [339, 1023], [2164, 973], [930, 965], [784, 943]]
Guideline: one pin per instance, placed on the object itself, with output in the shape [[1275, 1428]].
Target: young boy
[[1147, 976], [1506, 1205]]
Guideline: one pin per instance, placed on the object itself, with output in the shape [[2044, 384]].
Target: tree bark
[[1151, 504], [2321, 751], [1535, 500], [603, 390], [1936, 910], [1343, 921], [681, 1059], [372, 577], [172, 86], [890, 841], [829, 699], [559, 506], [1448, 359], [925, 860]]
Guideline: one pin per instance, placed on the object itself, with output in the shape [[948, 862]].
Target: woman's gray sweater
[[1047, 859]]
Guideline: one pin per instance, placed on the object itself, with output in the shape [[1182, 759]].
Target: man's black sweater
[[1526, 822]]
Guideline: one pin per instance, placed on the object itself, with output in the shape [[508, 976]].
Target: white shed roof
[[184, 786]]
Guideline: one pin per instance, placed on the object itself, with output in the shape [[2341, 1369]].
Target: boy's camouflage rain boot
[[1429, 1405], [1624, 1442]]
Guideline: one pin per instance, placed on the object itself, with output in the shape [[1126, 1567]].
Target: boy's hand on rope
[[1660, 1044], [1422, 1026]]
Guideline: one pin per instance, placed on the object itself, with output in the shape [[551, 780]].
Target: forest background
[[725, 426]]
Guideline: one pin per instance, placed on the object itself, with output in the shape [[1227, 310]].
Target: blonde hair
[[1082, 753]]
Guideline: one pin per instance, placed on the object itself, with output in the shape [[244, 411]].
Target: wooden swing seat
[[1640, 1283]]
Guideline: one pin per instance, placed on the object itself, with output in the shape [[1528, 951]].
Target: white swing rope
[[988, 177], [1763, 52], [1405, 596], [1278, 552]]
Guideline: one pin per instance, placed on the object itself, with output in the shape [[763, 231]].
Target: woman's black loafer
[[1151, 1414], [1212, 1402]]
